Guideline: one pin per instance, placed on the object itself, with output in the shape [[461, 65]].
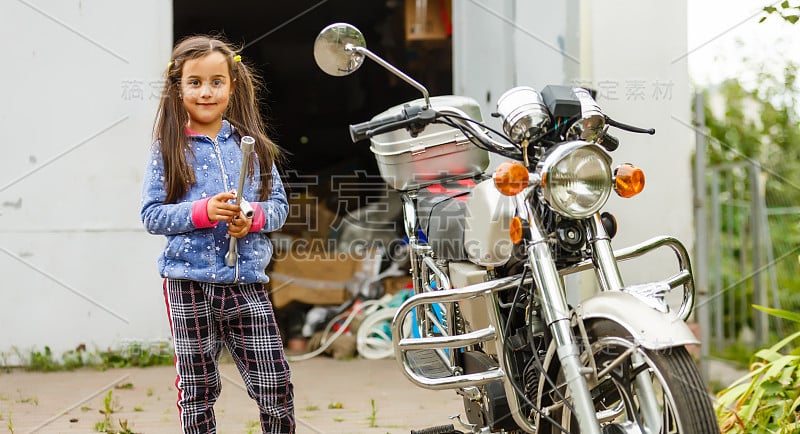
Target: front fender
[[650, 328]]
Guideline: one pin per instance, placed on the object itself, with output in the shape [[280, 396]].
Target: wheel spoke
[[612, 365], [624, 370]]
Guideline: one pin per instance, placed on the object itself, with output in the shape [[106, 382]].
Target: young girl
[[208, 103]]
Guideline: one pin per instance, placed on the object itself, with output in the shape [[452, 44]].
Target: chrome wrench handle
[[247, 148]]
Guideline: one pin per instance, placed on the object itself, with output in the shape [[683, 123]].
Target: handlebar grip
[[609, 142], [359, 132]]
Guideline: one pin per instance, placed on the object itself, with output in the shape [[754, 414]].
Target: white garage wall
[[633, 53], [639, 67], [81, 80]]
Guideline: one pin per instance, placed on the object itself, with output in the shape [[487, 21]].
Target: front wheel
[[680, 402]]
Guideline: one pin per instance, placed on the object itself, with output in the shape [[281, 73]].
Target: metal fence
[[741, 260], [743, 256]]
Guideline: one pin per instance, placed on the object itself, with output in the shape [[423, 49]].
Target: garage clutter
[[333, 271]]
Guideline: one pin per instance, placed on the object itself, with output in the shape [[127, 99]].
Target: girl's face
[[206, 91]]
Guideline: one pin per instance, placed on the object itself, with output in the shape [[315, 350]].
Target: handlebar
[[413, 118], [609, 142], [360, 131]]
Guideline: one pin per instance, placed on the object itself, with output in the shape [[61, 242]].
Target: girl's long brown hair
[[243, 113]]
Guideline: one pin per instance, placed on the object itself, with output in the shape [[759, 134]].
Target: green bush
[[767, 398]]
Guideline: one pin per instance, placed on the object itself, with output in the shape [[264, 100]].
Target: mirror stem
[[392, 69]]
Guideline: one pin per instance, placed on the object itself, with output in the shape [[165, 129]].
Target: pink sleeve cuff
[[200, 214], [259, 219]]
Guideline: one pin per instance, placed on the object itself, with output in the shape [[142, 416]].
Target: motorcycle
[[489, 254]]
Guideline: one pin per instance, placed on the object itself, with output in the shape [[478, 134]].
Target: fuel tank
[[487, 220]]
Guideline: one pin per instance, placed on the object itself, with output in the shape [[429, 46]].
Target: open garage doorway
[[308, 110]]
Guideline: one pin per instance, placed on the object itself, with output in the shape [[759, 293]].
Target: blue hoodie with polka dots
[[196, 247]]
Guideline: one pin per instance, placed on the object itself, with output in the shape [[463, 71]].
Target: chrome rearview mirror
[[334, 49], [340, 49]]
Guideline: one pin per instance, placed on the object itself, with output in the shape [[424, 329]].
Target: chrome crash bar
[[493, 332], [683, 277]]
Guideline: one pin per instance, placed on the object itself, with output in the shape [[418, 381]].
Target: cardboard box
[[308, 217], [428, 19], [393, 285], [316, 277]]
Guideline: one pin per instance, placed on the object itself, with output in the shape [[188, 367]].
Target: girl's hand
[[239, 226], [219, 209]]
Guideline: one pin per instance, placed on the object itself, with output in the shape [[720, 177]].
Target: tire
[[683, 400]]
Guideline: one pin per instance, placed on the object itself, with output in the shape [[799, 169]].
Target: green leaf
[[749, 410], [785, 341], [796, 402], [768, 354], [785, 314], [778, 367], [788, 373], [731, 395], [748, 378], [785, 4], [770, 9], [791, 18], [772, 387]]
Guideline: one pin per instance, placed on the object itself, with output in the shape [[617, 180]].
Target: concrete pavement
[[331, 396]]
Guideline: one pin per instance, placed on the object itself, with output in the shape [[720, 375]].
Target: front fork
[[557, 315], [605, 265]]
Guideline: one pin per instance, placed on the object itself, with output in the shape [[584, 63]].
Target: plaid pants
[[203, 317]]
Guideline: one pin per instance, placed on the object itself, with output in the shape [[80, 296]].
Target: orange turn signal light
[[515, 230], [510, 178], [628, 180]]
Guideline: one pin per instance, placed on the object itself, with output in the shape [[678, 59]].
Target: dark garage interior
[[308, 110]]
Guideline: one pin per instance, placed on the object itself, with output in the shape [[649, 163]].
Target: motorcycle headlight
[[576, 178]]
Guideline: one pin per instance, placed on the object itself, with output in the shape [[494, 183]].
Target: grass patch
[[127, 355]]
